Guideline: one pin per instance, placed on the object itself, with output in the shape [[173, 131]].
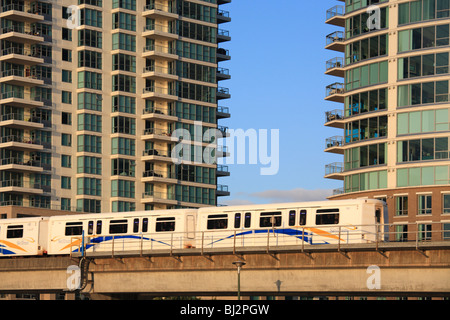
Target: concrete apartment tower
[[91, 93], [392, 97]]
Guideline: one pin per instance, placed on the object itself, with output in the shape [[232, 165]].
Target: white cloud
[[278, 196]]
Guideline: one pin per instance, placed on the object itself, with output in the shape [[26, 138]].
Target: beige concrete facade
[[384, 177], [141, 56]]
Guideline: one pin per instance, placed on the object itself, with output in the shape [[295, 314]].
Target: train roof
[[86, 216], [280, 206]]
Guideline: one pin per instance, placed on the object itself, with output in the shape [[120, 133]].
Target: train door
[[190, 231]]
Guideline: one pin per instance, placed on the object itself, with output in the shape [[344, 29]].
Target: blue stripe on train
[[286, 231], [101, 239]]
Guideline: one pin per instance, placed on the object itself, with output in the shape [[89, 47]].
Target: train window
[[99, 227], [165, 224], [14, 231], [136, 225], [270, 219], [217, 221], [327, 218], [90, 227], [118, 226], [237, 220], [302, 217], [292, 214], [378, 215], [247, 220], [145, 225], [74, 228]]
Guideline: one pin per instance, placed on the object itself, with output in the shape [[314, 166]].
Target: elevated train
[[306, 223]]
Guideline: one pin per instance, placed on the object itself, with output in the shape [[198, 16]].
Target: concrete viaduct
[[394, 269]]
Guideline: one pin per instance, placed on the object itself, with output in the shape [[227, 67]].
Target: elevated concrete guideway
[[401, 269]]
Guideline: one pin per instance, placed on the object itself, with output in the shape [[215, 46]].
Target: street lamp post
[[239, 264]]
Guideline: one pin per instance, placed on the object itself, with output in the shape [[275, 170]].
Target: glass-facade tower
[[392, 109]]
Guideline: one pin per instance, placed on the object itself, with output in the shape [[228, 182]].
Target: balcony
[[156, 155], [334, 171], [223, 55], [223, 35], [159, 93], [335, 16], [159, 113], [223, 93], [222, 191], [158, 176], [160, 52], [21, 34], [223, 74], [159, 32], [20, 143], [18, 12], [335, 119], [19, 186], [336, 41], [334, 144], [222, 171], [20, 165], [21, 56], [223, 113], [159, 73], [19, 99], [335, 67], [19, 121], [160, 12], [20, 78], [158, 197], [224, 131], [223, 16], [154, 134], [335, 92], [222, 152]]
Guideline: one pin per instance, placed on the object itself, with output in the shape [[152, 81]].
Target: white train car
[[325, 222], [23, 237], [119, 232]]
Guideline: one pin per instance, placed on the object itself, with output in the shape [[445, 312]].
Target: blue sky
[[277, 82]]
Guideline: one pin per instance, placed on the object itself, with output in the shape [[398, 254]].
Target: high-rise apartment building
[[92, 92], [393, 106]]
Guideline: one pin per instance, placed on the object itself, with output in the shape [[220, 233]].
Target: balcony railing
[[14, 138], [336, 141], [155, 110], [333, 115], [160, 49], [21, 51], [159, 195], [335, 11], [20, 161], [333, 168], [156, 152], [159, 69], [335, 88], [160, 7], [21, 29], [22, 8], [337, 36], [335, 63], [20, 73]]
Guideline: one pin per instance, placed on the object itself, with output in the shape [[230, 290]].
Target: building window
[[66, 97], [424, 204], [401, 206], [424, 232], [67, 34], [66, 183], [446, 203], [66, 118], [67, 55], [66, 161], [401, 232], [66, 139], [67, 76]]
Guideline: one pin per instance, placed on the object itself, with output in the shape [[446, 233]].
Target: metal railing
[[337, 62], [377, 237], [336, 141], [337, 36], [332, 168], [336, 114], [337, 10], [335, 88]]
